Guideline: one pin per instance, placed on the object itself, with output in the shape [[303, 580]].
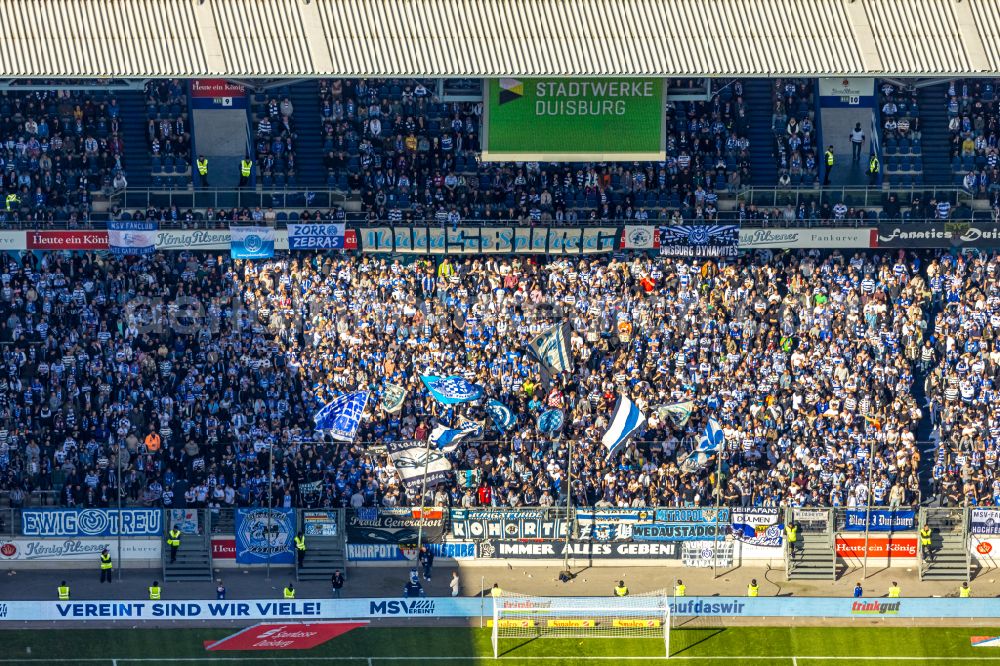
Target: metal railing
[[853, 197], [300, 198]]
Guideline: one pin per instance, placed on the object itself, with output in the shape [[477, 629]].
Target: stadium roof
[[487, 38]]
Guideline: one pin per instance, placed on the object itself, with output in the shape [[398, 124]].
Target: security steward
[[964, 592], [495, 591], [289, 591], [246, 167], [106, 566], [11, 201], [792, 535], [300, 547], [154, 591], [680, 589], [63, 591], [894, 590], [753, 589], [873, 169], [828, 161], [174, 541], [621, 590], [926, 538], [202, 164]]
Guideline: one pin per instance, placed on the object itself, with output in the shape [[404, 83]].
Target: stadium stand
[[168, 133], [799, 417]]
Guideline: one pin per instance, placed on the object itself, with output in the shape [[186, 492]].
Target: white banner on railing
[[54, 550], [780, 239]]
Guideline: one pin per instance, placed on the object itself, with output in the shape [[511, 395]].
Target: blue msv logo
[[402, 607]]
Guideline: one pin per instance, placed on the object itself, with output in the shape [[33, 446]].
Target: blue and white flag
[[342, 415], [551, 348], [712, 438], [625, 422], [447, 439], [678, 412], [251, 242], [503, 418], [550, 422], [133, 238], [451, 390], [392, 398]]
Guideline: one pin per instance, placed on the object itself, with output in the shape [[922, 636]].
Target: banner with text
[[91, 522], [945, 234], [700, 240], [316, 236], [388, 552], [489, 240], [76, 550], [783, 239], [881, 521], [557, 549], [985, 521], [364, 608], [509, 524], [394, 525], [264, 535]]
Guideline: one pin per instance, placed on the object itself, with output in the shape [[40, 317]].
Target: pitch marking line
[[372, 660]]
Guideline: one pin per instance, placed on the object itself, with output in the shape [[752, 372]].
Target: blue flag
[[625, 422], [451, 390], [712, 438], [551, 348], [342, 415], [447, 439], [502, 416], [550, 422]]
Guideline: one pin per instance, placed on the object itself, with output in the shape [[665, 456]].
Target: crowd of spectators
[[412, 156], [168, 132], [274, 138], [806, 359], [795, 134], [974, 125], [57, 147], [962, 386]]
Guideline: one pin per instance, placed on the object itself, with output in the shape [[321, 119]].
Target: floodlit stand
[[518, 616]]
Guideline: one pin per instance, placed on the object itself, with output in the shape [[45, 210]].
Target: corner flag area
[[379, 646]]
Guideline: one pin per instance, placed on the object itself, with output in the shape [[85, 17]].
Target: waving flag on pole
[[342, 415], [447, 439], [451, 390], [678, 412], [392, 398], [503, 417], [712, 438], [551, 348], [550, 422], [625, 422]]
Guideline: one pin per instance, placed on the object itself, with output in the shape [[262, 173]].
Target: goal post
[[529, 617]]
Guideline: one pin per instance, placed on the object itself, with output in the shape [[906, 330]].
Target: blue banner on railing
[[881, 521], [264, 535], [91, 522], [316, 236]]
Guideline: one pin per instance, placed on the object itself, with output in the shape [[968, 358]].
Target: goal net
[[528, 617]]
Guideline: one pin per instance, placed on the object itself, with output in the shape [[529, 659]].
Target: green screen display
[[574, 119]]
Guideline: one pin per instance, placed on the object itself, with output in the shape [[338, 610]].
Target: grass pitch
[[381, 646]]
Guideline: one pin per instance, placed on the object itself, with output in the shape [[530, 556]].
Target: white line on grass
[[372, 660]]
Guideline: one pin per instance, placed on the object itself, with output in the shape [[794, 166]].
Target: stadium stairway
[[757, 94], [194, 560], [815, 559], [323, 555], [935, 140], [949, 557], [138, 165], [308, 128]]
